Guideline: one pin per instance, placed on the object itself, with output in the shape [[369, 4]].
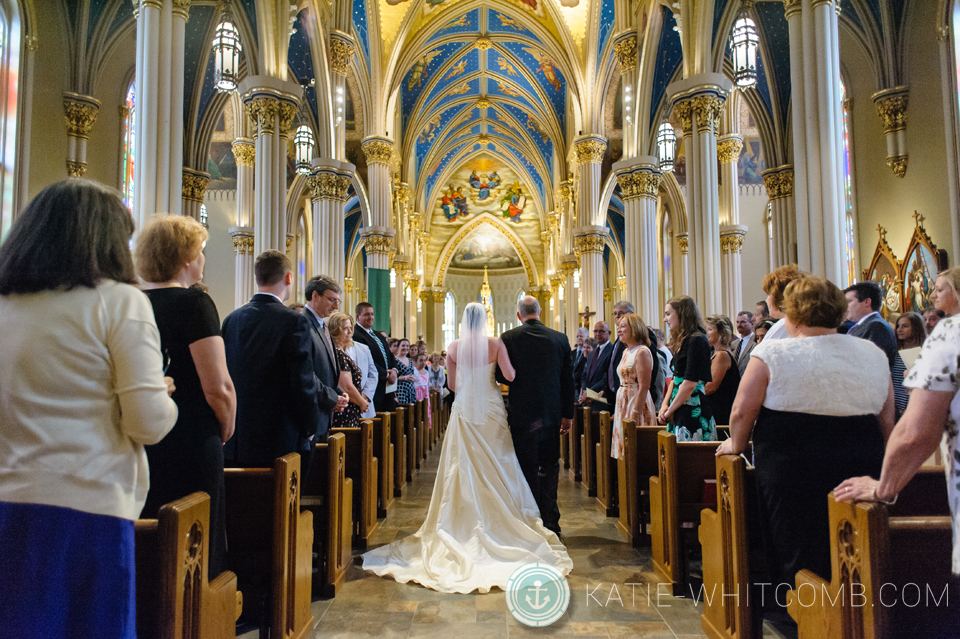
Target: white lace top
[[835, 375]]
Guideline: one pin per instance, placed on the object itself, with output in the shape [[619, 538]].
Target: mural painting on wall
[[221, 165], [751, 161], [486, 247], [483, 191], [919, 271], [884, 269]]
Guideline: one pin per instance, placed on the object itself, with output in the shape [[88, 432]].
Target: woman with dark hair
[[819, 398], [684, 410], [190, 458], [721, 391], [82, 391], [911, 331], [763, 328], [405, 373]]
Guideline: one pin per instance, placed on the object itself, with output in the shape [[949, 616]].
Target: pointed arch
[[443, 264]]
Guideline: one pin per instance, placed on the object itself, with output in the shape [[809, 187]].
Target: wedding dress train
[[482, 522]]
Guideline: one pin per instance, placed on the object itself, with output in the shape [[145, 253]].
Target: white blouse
[[81, 393], [835, 375]]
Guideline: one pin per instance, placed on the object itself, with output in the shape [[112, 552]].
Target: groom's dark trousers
[[540, 395]]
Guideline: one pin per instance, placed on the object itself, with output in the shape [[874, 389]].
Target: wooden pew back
[[175, 599], [634, 469], [328, 493], [361, 467], [576, 432], [676, 499], [281, 554], [384, 452], [588, 441], [607, 482], [399, 437]]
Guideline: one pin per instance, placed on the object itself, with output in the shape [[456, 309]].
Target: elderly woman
[[931, 416], [774, 284], [340, 326], [81, 392], [911, 331], [722, 389], [822, 399], [189, 459]]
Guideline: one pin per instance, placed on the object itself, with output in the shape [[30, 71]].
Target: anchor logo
[[537, 589]]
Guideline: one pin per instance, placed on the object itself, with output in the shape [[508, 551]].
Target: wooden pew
[[607, 493], [175, 599], [676, 499], [363, 469], [327, 492], [565, 451], [424, 428], [410, 426], [576, 431], [270, 545], [883, 559], [399, 438], [731, 546], [634, 470], [588, 440], [384, 452]]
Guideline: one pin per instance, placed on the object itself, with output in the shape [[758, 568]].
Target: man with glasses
[[595, 370], [323, 297]]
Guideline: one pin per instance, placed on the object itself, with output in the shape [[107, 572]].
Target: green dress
[[694, 420]]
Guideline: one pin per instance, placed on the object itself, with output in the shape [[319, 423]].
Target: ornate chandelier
[[743, 45], [666, 146], [303, 145], [226, 54]]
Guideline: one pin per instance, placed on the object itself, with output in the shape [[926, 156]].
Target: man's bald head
[[528, 308], [601, 332]]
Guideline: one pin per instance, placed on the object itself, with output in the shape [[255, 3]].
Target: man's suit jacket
[[744, 348], [270, 352], [327, 370], [543, 391], [877, 330], [594, 376], [361, 335], [578, 361]]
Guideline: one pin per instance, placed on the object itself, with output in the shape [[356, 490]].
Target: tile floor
[[370, 606]]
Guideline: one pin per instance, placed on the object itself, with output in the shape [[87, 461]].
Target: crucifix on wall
[[585, 317]]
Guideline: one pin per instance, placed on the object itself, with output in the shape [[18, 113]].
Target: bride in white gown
[[483, 522]]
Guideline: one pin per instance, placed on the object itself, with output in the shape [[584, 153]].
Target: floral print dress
[[694, 420], [629, 403]]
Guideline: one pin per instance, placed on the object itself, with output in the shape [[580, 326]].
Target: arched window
[[9, 76], [449, 319], [129, 139], [848, 222], [203, 215]]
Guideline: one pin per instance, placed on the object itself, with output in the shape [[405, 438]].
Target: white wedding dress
[[483, 522]]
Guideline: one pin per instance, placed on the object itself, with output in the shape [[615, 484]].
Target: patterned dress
[[629, 403], [694, 420], [405, 391], [421, 387], [350, 416]]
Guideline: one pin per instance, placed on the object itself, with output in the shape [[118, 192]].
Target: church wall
[[754, 263], [881, 197], [48, 132], [220, 268], [505, 287]]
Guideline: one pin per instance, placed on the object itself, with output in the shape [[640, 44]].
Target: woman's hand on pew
[[726, 448], [860, 489]]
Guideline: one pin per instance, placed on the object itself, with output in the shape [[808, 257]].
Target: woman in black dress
[[340, 326], [721, 392], [190, 458], [684, 410]]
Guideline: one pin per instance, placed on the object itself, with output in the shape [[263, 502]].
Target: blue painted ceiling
[[775, 36], [669, 56]]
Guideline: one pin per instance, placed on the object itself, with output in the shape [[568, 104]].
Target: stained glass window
[[848, 225], [449, 319], [9, 66], [129, 139]]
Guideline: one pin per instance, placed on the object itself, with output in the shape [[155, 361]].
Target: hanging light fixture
[[303, 143], [666, 146], [226, 54], [743, 45]]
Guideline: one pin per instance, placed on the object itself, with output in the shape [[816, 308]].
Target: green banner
[[378, 294]]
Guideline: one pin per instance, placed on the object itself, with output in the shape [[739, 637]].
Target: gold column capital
[[76, 169], [729, 148], [287, 112], [625, 48], [731, 242], [243, 244], [683, 241], [638, 184], [194, 185], [590, 149], [898, 164], [589, 243], [892, 108], [778, 181], [342, 51], [378, 150], [263, 112], [80, 113], [244, 152]]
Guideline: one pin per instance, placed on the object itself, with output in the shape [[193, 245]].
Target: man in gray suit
[[323, 296], [747, 340]]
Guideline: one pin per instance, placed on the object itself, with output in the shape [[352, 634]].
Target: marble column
[[244, 152], [591, 230], [639, 180], [413, 285], [271, 104], [439, 296], [329, 183], [817, 137], [731, 231], [194, 188], [567, 260], [779, 184], [683, 243], [158, 118], [379, 152], [698, 101], [80, 112], [556, 283], [571, 303], [892, 108], [342, 51]]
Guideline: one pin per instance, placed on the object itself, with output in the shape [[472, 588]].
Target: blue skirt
[[65, 573]]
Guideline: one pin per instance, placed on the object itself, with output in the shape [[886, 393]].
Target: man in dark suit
[[594, 375], [383, 359], [323, 296], [577, 358], [270, 350], [540, 404], [863, 308]]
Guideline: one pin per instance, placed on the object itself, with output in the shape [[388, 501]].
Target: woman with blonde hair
[[774, 284], [946, 292], [634, 401], [722, 390], [190, 459], [340, 326], [684, 410]]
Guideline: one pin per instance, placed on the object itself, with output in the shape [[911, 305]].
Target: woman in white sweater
[[82, 391]]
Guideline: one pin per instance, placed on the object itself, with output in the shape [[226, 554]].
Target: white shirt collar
[[319, 319], [866, 317], [271, 295]]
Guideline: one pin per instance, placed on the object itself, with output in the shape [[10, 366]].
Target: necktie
[[380, 346], [593, 362], [326, 336]]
